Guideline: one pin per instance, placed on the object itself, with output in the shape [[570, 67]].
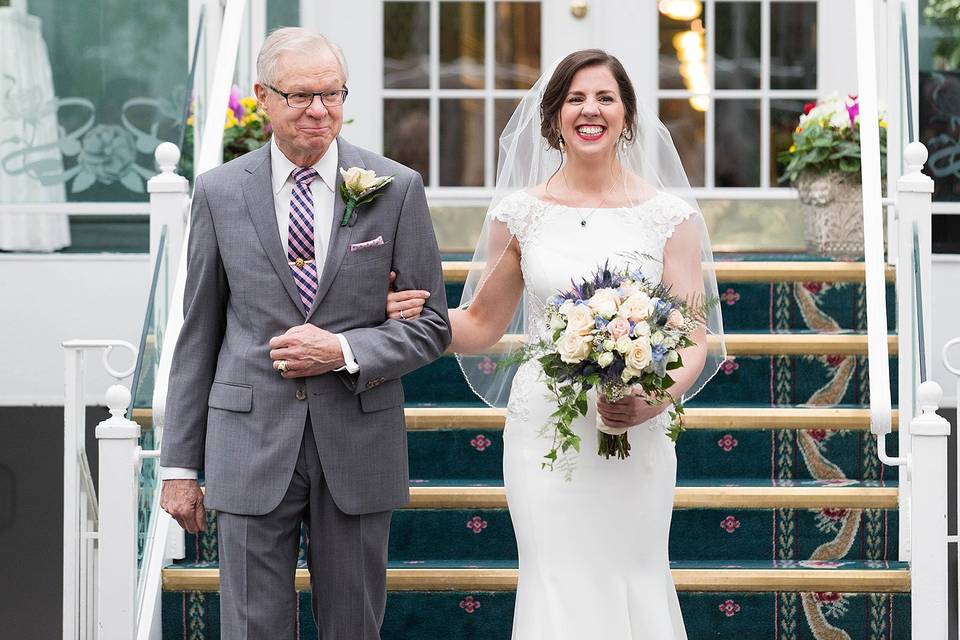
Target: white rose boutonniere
[[360, 186]]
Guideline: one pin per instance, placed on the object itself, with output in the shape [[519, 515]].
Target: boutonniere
[[360, 187]]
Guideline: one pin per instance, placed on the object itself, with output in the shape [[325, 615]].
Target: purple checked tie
[[300, 253]]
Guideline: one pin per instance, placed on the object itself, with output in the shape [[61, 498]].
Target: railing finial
[[167, 155], [118, 399], [928, 396], [915, 156]]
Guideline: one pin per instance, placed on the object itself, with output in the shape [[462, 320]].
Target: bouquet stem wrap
[[612, 440]]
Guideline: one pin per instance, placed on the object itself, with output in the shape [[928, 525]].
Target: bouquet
[[614, 331], [827, 139]]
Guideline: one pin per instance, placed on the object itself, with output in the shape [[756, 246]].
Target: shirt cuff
[[350, 363], [177, 473]]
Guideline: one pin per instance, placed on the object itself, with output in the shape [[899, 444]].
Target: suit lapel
[[258, 194], [339, 235]]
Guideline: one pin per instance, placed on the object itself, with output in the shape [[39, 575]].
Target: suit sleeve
[[397, 347], [195, 356]]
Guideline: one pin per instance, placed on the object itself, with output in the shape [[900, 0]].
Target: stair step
[[429, 418], [746, 271], [841, 577], [811, 495]]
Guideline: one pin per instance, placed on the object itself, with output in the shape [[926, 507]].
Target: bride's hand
[[409, 303], [630, 411]]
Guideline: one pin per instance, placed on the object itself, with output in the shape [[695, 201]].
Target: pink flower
[[469, 604], [853, 110], [234, 103], [675, 319], [730, 524], [730, 297], [476, 524], [818, 434], [480, 443], [827, 597], [727, 443], [729, 366], [730, 608], [487, 366], [618, 327]]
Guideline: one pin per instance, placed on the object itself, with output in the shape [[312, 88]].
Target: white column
[[928, 596], [168, 202], [117, 565], [73, 427]]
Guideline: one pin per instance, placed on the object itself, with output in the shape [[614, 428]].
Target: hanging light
[[682, 10]]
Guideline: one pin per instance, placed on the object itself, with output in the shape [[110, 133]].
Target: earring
[[560, 140]]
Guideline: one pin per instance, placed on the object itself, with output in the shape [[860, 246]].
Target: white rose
[[359, 180], [640, 356], [629, 372], [641, 330], [566, 307], [573, 348], [609, 345], [580, 320], [629, 288], [637, 307], [840, 119], [624, 344], [557, 323], [605, 359], [604, 302]]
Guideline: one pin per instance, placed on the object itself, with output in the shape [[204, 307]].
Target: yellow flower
[[793, 148], [883, 124], [799, 130], [190, 121], [231, 120], [249, 103]]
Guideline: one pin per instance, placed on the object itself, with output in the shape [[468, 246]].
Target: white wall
[[946, 322], [47, 299]]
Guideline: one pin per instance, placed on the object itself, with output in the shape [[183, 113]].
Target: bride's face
[[592, 116]]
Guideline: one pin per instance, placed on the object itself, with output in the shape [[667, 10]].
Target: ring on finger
[[402, 317], [282, 366]]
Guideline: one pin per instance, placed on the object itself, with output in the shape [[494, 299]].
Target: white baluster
[[168, 202]]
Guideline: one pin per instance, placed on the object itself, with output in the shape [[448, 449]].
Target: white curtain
[[29, 121]]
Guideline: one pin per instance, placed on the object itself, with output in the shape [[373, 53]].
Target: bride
[[583, 179]]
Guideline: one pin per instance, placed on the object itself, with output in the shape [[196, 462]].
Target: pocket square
[[360, 246]]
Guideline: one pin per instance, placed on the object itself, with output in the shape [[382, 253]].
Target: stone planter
[[833, 215]]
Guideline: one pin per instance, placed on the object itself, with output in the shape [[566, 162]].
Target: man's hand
[[405, 305], [183, 500], [308, 351]]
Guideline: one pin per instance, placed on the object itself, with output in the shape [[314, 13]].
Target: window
[[733, 78], [453, 72]]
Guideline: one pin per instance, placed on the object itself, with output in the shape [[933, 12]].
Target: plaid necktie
[[300, 252]]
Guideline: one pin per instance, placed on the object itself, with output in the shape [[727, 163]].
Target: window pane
[[688, 129], [784, 115], [738, 45], [406, 134], [503, 108], [461, 143], [406, 45], [793, 45], [682, 49], [737, 143], [461, 45], [517, 48]]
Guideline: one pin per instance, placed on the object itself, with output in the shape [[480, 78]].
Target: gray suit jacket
[[228, 412]]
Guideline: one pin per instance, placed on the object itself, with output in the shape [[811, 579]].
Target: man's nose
[[317, 109]]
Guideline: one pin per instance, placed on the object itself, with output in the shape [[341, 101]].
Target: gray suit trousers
[[346, 554]]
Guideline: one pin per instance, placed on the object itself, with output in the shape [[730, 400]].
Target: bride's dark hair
[[555, 92]]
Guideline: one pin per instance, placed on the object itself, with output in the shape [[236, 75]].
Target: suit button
[[301, 394]]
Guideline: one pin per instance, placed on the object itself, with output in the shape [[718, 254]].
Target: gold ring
[[282, 366], [401, 315]]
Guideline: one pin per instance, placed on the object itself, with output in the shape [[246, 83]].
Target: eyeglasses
[[303, 99]]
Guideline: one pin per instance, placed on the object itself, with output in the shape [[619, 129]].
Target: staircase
[[785, 523]]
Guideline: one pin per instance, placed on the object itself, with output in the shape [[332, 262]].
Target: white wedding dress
[[592, 550]]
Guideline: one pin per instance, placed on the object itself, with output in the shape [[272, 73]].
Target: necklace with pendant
[[603, 201]]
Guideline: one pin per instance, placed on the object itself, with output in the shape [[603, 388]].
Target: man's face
[[304, 135]]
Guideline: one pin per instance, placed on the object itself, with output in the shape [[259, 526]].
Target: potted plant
[[823, 163]]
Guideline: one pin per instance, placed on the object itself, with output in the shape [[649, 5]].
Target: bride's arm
[[683, 272], [480, 326]]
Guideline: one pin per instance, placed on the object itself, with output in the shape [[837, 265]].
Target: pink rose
[[618, 327], [675, 319]]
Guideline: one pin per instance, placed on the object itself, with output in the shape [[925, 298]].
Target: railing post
[[117, 567], [168, 202], [73, 428], [914, 191], [928, 597]]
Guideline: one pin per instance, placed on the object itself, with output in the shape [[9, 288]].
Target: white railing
[[82, 519], [922, 456]]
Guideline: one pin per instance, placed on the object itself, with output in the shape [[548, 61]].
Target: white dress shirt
[[323, 190]]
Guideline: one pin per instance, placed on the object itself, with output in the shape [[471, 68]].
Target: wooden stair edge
[[705, 497], [697, 580], [745, 271]]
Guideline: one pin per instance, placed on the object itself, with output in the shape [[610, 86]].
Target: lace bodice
[[556, 248]]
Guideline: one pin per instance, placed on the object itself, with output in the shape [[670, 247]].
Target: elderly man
[[285, 385]]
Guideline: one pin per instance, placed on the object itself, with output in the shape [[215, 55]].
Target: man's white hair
[[294, 39]]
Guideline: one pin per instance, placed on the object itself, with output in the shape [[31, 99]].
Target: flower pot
[[833, 215]]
